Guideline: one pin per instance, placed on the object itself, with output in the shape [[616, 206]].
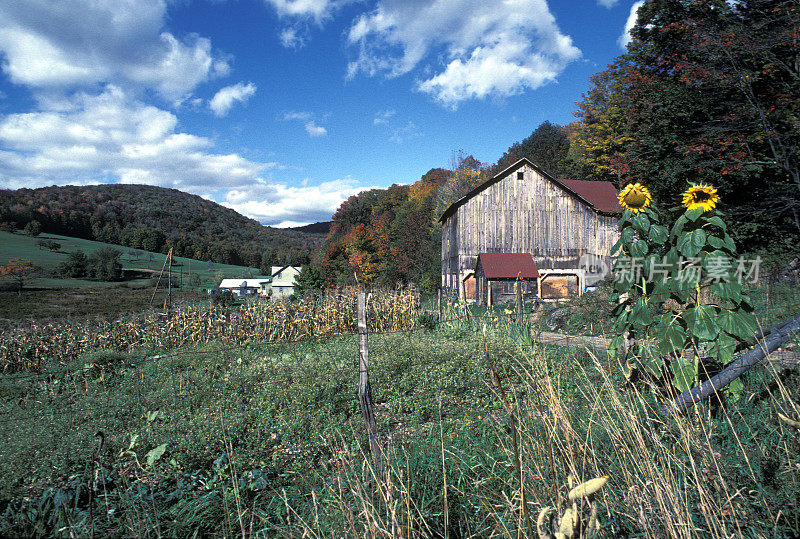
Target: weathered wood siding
[[529, 215]]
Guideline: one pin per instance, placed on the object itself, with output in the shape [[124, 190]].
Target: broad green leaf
[[672, 337], [662, 291], [677, 228], [684, 373], [691, 243], [653, 366], [717, 221], [716, 243], [621, 323], [734, 390], [692, 215], [639, 249], [739, 324], [658, 234], [729, 243], [616, 247], [640, 314], [154, 454], [641, 222], [628, 234], [616, 342], [702, 322], [722, 348], [699, 238], [729, 290]]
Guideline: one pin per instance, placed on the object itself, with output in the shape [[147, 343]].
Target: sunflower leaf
[[717, 221], [658, 234], [692, 215], [639, 249], [677, 228]]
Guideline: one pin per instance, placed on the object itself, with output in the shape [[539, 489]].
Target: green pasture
[[19, 245]]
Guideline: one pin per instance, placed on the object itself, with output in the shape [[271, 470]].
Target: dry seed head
[[588, 488], [790, 422]]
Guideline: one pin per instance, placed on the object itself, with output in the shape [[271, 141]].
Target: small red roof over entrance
[[508, 265]]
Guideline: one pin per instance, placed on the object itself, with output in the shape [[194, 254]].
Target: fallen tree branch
[[768, 342]]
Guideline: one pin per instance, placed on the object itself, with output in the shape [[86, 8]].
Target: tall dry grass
[[697, 475]]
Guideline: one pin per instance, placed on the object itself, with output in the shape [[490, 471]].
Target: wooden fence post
[[364, 392], [518, 293]]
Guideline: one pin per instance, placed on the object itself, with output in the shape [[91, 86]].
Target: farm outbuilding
[[245, 287], [567, 227], [497, 274]]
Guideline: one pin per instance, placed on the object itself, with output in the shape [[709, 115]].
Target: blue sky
[[281, 109]]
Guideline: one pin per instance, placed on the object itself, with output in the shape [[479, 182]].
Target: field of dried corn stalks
[[34, 345]]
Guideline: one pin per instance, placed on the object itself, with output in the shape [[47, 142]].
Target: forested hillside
[[153, 219]]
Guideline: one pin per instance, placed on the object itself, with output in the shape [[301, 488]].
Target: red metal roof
[[601, 195], [508, 265]]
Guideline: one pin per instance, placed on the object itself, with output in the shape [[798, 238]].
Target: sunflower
[[700, 196], [635, 197]]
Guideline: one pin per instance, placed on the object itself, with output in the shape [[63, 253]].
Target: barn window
[[520, 175]]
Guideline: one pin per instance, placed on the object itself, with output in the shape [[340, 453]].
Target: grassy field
[[48, 295], [268, 440], [24, 246]]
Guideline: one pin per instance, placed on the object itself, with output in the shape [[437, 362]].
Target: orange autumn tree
[[18, 270]]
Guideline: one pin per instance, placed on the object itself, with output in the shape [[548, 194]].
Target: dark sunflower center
[[701, 196], [635, 199]]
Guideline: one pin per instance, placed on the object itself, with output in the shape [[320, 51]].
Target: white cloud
[[223, 100], [318, 10], [315, 130], [383, 117], [625, 38], [297, 115], [113, 138], [607, 3], [290, 38], [489, 48], [307, 119], [51, 44], [302, 13], [409, 130], [285, 205], [90, 65]]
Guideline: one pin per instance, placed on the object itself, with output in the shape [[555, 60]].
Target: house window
[[520, 175], [508, 287]]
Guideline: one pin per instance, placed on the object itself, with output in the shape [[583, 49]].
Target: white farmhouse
[[282, 284]]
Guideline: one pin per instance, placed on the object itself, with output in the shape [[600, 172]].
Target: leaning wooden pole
[[364, 392], [766, 344], [158, 283]]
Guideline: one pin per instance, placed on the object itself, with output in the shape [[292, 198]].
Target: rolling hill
[[156, 219]]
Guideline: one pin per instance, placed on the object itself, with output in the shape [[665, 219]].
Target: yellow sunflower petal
[[700, 196]]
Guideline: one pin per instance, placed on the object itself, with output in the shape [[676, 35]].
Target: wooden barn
[[567, 226]]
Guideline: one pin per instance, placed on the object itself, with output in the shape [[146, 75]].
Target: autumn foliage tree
[[18, 271], [708, 91]]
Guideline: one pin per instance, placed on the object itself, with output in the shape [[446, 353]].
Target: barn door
[[470, 287]]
